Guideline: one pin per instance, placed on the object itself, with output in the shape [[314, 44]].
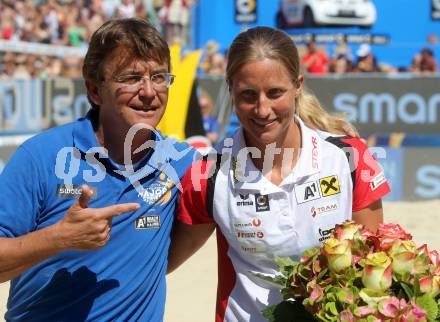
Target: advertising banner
[[435, 9], [245, 11], [29, 106], [392, 162], [382, 104], [374, 105], [421, 174]]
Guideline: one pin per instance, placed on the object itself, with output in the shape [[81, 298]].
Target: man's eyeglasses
[[159, 81]]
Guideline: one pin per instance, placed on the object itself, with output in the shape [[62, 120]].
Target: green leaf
[[287, 311], [427, 303], [331, 307], [407, 289], [416, 286], [268, 313], [331, 296], [311, 252], [280, 280], [322, 273], [285, 265]]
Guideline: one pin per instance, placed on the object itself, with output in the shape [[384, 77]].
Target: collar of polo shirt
[[309, 162]]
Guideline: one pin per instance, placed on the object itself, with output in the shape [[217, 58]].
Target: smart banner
[[422, 174], [382, 104], [374, 104], [392, 162]]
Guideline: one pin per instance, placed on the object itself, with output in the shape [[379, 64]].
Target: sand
[[192, 288]]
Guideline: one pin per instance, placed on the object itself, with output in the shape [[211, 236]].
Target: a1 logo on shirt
[[146, 222], [307, 192]]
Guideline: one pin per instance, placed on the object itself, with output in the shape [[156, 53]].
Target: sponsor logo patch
[[249, 234], [323, 209], [158, 192], [262, 203], [252, 250], [244, 200], [314, 153], [329, 186], [307, 192], [240, 224], [378, 181], [256, 222], [325, 234], [147, 222], [69, 191]]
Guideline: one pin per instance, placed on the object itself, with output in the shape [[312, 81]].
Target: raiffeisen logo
[[410, 108]]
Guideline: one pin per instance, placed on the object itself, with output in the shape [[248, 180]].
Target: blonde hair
[[265, 42], [311, 112]]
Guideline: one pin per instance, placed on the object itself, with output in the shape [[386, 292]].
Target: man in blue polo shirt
[[86, 208]]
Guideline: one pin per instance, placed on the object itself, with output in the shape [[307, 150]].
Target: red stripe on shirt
[[192, 209], [226, 277], [366, 170]]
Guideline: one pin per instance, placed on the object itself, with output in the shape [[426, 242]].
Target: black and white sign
[[262, 203], [435, 9], [147, 222], [307, 192], [245, 11]]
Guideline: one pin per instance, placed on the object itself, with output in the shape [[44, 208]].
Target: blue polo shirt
[[125, 279]]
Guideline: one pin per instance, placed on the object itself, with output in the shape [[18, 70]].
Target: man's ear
[[93, 92]]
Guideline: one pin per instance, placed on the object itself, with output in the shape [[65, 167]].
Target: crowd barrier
[[374, 104]]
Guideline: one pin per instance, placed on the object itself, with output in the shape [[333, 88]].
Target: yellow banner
[[174, 120]]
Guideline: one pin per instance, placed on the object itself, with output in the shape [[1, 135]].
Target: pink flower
[[434, 257], [403, 253], [388, 233], [423, 249], [430, 285], [367, 234], [346, 316], [421, 266], [363, 311], [422, 262], [377, 273], [347, 230], [316, 293], [390, 307], [338, 253], [414, 313]]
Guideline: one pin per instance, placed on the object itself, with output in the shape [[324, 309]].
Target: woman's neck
[[279, 158]]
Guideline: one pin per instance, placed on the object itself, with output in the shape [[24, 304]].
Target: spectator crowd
[[71, 23]]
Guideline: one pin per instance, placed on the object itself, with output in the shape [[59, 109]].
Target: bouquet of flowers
[[358, 275]]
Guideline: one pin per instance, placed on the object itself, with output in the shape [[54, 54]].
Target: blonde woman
[[281, 182]]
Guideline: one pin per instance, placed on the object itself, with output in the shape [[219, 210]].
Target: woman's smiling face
[[264, 98]]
